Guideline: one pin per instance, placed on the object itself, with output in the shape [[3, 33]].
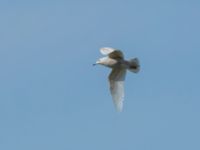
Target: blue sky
[[52, 98]]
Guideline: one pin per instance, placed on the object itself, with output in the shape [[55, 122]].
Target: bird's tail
[[134, 65]]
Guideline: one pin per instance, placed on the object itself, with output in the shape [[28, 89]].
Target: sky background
[[51, 97]]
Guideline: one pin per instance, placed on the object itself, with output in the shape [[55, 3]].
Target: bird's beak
[[97, 62]]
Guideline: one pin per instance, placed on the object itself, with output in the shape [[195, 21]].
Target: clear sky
[[51, 97]]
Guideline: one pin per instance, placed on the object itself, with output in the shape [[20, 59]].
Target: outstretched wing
[[116, 79], [112, 53]]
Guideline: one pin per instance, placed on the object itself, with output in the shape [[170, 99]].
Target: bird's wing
[[116, 79], [112, 53], [107, 50]]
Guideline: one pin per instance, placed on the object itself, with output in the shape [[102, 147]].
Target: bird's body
[[115, 60]]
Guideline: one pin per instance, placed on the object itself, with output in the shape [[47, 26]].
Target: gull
[[115, 60]]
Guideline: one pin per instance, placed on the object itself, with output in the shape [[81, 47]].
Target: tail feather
[[134, 65]]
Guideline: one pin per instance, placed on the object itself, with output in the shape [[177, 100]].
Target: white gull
[[115, 60]]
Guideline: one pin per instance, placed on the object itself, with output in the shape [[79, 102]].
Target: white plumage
[[115, 60]]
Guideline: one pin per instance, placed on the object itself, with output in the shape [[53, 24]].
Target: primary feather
[[106, 50], [116, 79]]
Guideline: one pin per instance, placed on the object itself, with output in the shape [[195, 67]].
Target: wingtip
[[119, 110], [106, 50], [119, 107]]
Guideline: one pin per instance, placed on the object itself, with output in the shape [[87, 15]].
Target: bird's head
[[101, 61], [97, 63]]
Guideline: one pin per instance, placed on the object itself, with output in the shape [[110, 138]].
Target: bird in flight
[[115, 60]]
